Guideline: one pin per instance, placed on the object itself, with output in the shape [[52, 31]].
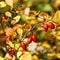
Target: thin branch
[[34, 26]]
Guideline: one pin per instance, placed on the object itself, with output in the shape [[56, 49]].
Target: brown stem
[[34, 26]]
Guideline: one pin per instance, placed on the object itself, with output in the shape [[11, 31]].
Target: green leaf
[[40, 35], [40, 7], [15, 5], [58, 42], [3, 10], [14, 14], [40, 19], [5, 24], [44, 56], [2, 53], [25, 17], [47, 8]]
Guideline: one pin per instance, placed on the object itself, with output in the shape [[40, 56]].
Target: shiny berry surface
[[29, 40], [23, 45], [51, 25], [34, 38], [45, 27]]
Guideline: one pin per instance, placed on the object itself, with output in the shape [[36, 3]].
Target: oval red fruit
[[12, 52], [45, 27], [4, 18], [23, 45], [34, 38], [29, 40], [51, 25]]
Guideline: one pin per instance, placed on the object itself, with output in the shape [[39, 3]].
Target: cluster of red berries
[[48, 25], [23, 45], [30, 39]]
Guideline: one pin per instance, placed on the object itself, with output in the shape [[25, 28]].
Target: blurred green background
[[48, 6]]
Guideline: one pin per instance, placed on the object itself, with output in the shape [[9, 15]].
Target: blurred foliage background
[[49, 6]]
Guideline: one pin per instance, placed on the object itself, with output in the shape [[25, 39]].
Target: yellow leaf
[[58, 55], [51, 54], [35, 57], [2, 4], [1, 58], [11, 44], [46, 45], [26, 56], [8, 14], [20, 31], [57, 17], [9, 2]]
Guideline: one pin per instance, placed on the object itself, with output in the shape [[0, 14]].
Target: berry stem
[[31, 30]]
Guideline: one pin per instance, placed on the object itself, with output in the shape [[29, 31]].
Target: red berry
[[12, 52], [45, 27], [34, 38], [23, 45], [4, 18], [29, 40], [51, 25]]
